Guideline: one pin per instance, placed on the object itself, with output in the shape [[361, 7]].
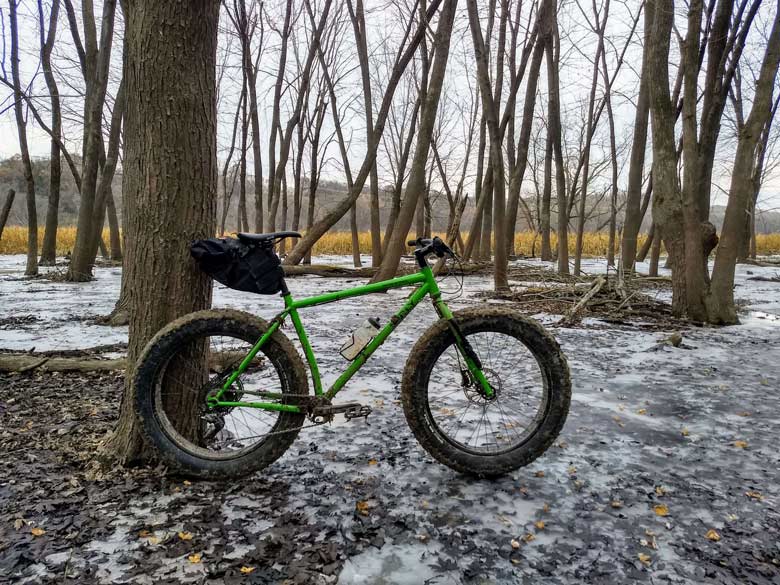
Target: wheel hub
[[474, 391]]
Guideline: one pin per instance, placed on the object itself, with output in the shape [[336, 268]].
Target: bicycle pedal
[[358, 411]]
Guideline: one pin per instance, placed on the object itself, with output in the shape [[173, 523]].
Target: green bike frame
[[426, 285]]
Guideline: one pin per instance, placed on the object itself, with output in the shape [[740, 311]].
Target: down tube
[[413, 300]]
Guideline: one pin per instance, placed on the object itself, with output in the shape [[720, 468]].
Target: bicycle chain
[[294, 429]]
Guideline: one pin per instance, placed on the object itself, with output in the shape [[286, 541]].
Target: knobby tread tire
[[414, 390], [279, 350]]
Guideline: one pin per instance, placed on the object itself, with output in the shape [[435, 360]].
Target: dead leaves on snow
[[712, 535], [661, 510]]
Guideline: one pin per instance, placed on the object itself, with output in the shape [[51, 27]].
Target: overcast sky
[[578, 45]]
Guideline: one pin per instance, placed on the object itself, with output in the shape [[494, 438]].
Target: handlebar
[[427, 246]]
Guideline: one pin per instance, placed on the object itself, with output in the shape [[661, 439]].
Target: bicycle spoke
[[483, 424], [211, 359]]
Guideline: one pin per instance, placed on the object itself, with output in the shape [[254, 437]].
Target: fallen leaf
[[362, 507], [685, 432], [514, 544], [713, 535], [546, 508], [743, 414], [660, 490], [152, 540], [644, 559], [185, 535], [732, 517], [38, 531], [642, 411], [529, 537], [661, 510], [18, 523], [187, 482], [372, 461], [754, 496], [144, 534], [246, 570], [195, 558], [741, 444], [572, 470], [539, 474], [539, 525], [616, 504]]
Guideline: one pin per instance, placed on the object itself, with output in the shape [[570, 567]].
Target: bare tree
[[21, 127], [49, 247], [741, 192], [337, 212], [97, 60], [357, 16], [416, 184]]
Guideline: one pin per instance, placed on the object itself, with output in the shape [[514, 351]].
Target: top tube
[[399, 282]]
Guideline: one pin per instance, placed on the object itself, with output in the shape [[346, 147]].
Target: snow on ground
[[661, 446]]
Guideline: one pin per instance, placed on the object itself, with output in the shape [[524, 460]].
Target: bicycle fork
[[470, 357]]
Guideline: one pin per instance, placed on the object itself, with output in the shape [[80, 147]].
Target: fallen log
[[25, 363], [573, 314]]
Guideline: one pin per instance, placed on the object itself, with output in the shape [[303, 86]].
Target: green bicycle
[[222, 393]]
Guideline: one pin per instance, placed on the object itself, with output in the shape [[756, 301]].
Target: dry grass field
[[14, 241]]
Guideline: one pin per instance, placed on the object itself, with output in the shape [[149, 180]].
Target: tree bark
[[490, 109], [633, 219], [554, 107], [544, 218], [170, 177], [667, 200], [49, 246], [722, 306], [6, 211], [97, 66], [359, 27], [31, 268]]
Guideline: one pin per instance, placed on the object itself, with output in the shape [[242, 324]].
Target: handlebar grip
[[411, 243]]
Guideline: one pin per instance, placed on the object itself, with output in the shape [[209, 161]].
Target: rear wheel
[[455, 421], [188, 361]]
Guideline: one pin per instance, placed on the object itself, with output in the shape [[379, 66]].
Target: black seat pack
[[240, 266]]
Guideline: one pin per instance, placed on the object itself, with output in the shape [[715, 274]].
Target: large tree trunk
[[49, 247], [21, 127], [633, 219], [170, 176], [85, 248], [103, 192], [667, 200], [740, 193], [490, 105]]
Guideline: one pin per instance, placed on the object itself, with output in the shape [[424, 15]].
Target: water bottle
[[359, 339]]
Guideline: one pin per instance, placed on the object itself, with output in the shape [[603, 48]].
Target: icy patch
[[391, 565]]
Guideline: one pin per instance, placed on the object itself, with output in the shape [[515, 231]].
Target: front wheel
[[450, 414]]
